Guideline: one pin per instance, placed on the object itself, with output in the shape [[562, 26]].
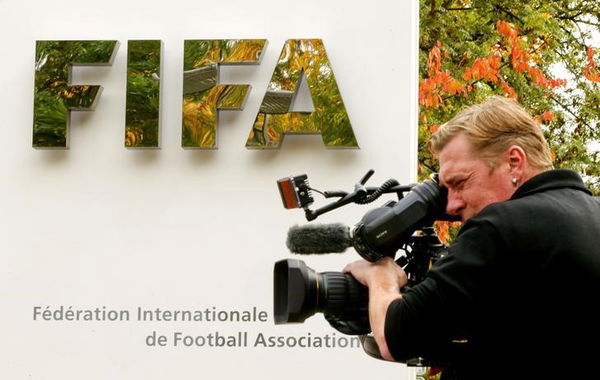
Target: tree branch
[[596, 24], [429, 167], [566, 108], [565, 59], [501, 8], [575, 39]]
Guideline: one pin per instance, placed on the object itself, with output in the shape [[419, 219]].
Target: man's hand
[[368, 273], [384, 279]]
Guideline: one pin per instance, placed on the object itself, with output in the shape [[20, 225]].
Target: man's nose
[[455, 204]]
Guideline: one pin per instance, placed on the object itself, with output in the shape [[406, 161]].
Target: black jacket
[[519, 287]]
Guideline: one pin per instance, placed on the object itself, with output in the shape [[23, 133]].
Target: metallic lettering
[[203, 97], [54, 97], [275, 119], [142, 112]]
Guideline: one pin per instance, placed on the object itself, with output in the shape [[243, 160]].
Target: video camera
[[405, 225]]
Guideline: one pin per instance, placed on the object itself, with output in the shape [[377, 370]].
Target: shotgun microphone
[[319, 238]]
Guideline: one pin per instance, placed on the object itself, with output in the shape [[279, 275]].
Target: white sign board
[[92, 236]]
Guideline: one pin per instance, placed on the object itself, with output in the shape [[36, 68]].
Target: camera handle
[[360, 195], [372, 349], [370, 346]]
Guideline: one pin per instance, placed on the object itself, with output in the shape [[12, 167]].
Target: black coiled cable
[[377, 193]]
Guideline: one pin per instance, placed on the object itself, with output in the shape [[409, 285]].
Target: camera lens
[[300, 292], [296, 291]]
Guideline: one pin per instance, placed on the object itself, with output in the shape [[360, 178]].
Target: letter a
[[275, 118]]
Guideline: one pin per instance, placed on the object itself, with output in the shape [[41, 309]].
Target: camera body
[[405, 225]]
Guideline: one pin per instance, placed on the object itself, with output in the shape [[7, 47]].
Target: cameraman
[[517, 295]]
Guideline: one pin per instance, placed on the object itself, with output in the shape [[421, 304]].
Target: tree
[[538, 52]]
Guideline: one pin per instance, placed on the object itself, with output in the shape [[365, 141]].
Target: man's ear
[[516, 158]]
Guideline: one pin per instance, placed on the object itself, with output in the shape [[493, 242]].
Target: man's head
[[486, 152]]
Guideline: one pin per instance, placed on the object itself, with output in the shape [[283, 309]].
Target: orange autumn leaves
[[511, 52], [521, 59], [439, 82], [591, 72], [447, 231]]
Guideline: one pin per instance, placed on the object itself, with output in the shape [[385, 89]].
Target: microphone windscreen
[[319, 238]]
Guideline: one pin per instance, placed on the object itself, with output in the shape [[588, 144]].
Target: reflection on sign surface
[[275, 118], [54, 98], [143, 94], [202, 95]]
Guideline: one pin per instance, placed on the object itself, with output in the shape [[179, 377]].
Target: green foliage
[[554, 36], [308, 58], [143, 93], [54, 97]]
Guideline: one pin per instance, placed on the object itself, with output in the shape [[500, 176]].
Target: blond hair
[[492, 127]]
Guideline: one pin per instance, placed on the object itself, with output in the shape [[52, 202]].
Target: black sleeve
[[441, 309]]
